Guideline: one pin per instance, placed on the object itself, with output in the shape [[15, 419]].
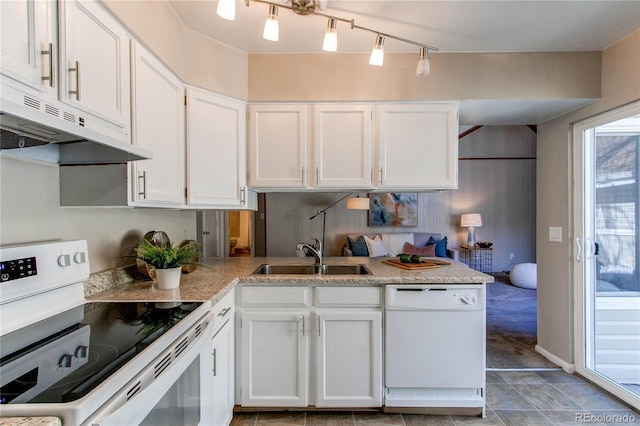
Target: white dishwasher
[[435, 348]]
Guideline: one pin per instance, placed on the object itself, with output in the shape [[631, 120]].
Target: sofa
[[395, 241]]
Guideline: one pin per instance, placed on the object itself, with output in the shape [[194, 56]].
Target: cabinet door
[[417, 146], [278, 146], [223, 375], [29, 43], [216, 141], [158, 117], [274, 359], [342, 146], [94, 61], [349, 359]]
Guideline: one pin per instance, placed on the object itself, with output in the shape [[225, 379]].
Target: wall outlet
[[512, 256], [555, 234]]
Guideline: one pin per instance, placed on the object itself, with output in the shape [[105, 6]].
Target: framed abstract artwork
[[393, 209]]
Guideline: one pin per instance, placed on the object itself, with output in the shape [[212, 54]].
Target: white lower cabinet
[[348, 359], [300, 347], [223, 352]]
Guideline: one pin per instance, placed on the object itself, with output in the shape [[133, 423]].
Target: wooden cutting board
[[425, 264]]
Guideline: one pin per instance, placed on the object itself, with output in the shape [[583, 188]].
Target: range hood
[[29, 121]]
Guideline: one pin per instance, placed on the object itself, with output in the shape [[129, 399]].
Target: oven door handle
[[133, 403]]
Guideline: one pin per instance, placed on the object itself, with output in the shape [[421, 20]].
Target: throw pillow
[[358, 247], [440, 246], [376, 246], [427, 251], [395, 242]]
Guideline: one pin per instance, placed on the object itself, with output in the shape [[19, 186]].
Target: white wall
[[30, 212]]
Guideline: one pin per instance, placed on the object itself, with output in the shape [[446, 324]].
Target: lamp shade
[[227, 9], [358, 203], [470, 219]]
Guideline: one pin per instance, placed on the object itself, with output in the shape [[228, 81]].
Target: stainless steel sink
[[268, 269]]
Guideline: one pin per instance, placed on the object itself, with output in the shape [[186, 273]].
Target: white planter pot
[[168, 278]]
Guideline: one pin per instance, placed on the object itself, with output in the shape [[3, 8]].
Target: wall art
[[393, 209]]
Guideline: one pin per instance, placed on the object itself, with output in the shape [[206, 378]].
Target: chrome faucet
[[315, 249]]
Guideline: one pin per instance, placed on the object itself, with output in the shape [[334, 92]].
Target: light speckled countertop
[[30, 421], [221, 275]]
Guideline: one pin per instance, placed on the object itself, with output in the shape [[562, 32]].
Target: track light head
[[271, 30], [377, 53], [424, 66]]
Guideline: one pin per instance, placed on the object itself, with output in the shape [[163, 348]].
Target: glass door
[[607, 260]]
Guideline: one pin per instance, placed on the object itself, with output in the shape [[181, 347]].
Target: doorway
[[239, 224], [607, 257]]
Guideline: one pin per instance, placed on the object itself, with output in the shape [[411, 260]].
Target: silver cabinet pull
[[302, 326], [318, 325], [142, 185], [76, 92], [243, 195], [381, 174], [215, 358], [49, 77], [224, 312], [303, 178]]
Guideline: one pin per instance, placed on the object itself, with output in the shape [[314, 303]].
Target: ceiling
[[450, 26]]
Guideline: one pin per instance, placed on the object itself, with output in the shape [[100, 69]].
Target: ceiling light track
[[308, 7]]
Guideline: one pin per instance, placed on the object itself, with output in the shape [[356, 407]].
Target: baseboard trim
[[568, 367]]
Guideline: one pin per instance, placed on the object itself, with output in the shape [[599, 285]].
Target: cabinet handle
[[317, 175], [381, 174], [303, 177], [142, 183], [318, 325], [302, 326], [215, 358], [49, 78], [243, 191], [224, 312], [76, 92]]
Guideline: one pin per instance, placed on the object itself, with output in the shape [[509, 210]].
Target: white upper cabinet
[[216, 151], [29, 40], [417, 146], [342, 146], [278, 146], [94, 64], [158, 125]]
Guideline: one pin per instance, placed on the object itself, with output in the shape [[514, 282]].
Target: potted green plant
[[167, 260]]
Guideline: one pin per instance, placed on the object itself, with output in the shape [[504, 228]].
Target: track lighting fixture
[[271, 31], [226, 9], [423, 67], [330, 43], [377, 53]]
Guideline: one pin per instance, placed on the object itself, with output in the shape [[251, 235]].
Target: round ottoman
[[524, 275]]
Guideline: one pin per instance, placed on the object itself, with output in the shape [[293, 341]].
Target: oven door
[[167, 392]]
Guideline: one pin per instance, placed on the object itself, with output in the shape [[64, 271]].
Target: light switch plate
[[555, 234]]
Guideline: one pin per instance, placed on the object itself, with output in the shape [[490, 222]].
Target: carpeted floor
[[512, 327]]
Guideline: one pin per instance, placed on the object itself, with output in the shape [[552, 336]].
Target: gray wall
[[497, 176]]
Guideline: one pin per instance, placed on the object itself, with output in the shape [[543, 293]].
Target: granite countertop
[[30, 421], [218, 276]]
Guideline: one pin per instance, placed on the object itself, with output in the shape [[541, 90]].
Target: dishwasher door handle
[[411, 289]]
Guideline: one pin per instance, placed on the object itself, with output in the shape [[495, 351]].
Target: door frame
[[579, 248]]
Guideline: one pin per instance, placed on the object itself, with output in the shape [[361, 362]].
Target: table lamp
[[471, 220]]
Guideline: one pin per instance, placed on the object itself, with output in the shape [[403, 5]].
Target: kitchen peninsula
[[288, 329]]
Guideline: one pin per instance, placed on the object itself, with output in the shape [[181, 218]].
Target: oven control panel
[[18, 268], [30, 269]]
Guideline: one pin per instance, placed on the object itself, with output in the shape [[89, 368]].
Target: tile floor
[[516, 398]]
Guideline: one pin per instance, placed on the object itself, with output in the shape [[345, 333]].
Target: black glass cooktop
[[68, 355]]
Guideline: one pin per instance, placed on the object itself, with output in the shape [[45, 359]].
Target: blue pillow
[[358, 247], [441, 246]]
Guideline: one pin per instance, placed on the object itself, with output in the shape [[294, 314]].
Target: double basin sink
[[269, 269]]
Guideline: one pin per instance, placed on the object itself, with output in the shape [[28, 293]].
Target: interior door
[[607, 257]]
